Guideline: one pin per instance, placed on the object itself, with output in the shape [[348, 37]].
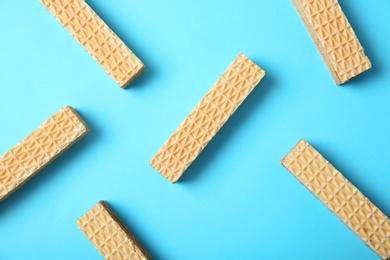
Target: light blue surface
[[236, 201]]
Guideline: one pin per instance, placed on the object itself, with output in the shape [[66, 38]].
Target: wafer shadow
[[362, 31], [49, 173], [246, 110], [125, 36], [137, 232], [335, 160]]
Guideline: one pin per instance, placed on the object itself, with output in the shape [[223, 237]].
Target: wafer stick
[[109, 235], [38, 149], [97, 39], [340, 196], [334, 37], [208, 116]]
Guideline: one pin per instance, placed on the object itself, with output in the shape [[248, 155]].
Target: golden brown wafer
[[208, 116], [97, 39], [38, 149], [340, 196], [109, 235], [334, 37]]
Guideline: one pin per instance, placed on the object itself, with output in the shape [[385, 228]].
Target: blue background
[[236, 201]]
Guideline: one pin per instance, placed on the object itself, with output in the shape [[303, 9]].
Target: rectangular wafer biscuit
[[208, 116], [97, 39], [39, 148], [340, 196], [109, 235], [334, 37]]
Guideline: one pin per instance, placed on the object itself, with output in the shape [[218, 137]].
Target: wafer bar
[[340, 196], [97, 39], [109, 235], [208, 116], [39, 148], [334, 37]]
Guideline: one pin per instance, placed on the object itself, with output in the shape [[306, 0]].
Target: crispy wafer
[[208, 116], [334, 37], [39, 148], [97, 39], [108, 234], [340, 196]]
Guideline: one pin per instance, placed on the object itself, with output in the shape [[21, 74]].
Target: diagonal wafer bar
[[39, 148], [97, 39], [340, 196], [208, 116], [334, 37], [109, 235]]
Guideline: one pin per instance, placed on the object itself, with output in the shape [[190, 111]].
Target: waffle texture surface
[[109, 236], [340, 196], [39, 148], [208, 116], [334, 37], [97, 39]]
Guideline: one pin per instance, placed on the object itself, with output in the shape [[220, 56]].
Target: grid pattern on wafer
[[334, 37], [109, 236], [340, 196], [97, 39], [39, 148], [209, 115]]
